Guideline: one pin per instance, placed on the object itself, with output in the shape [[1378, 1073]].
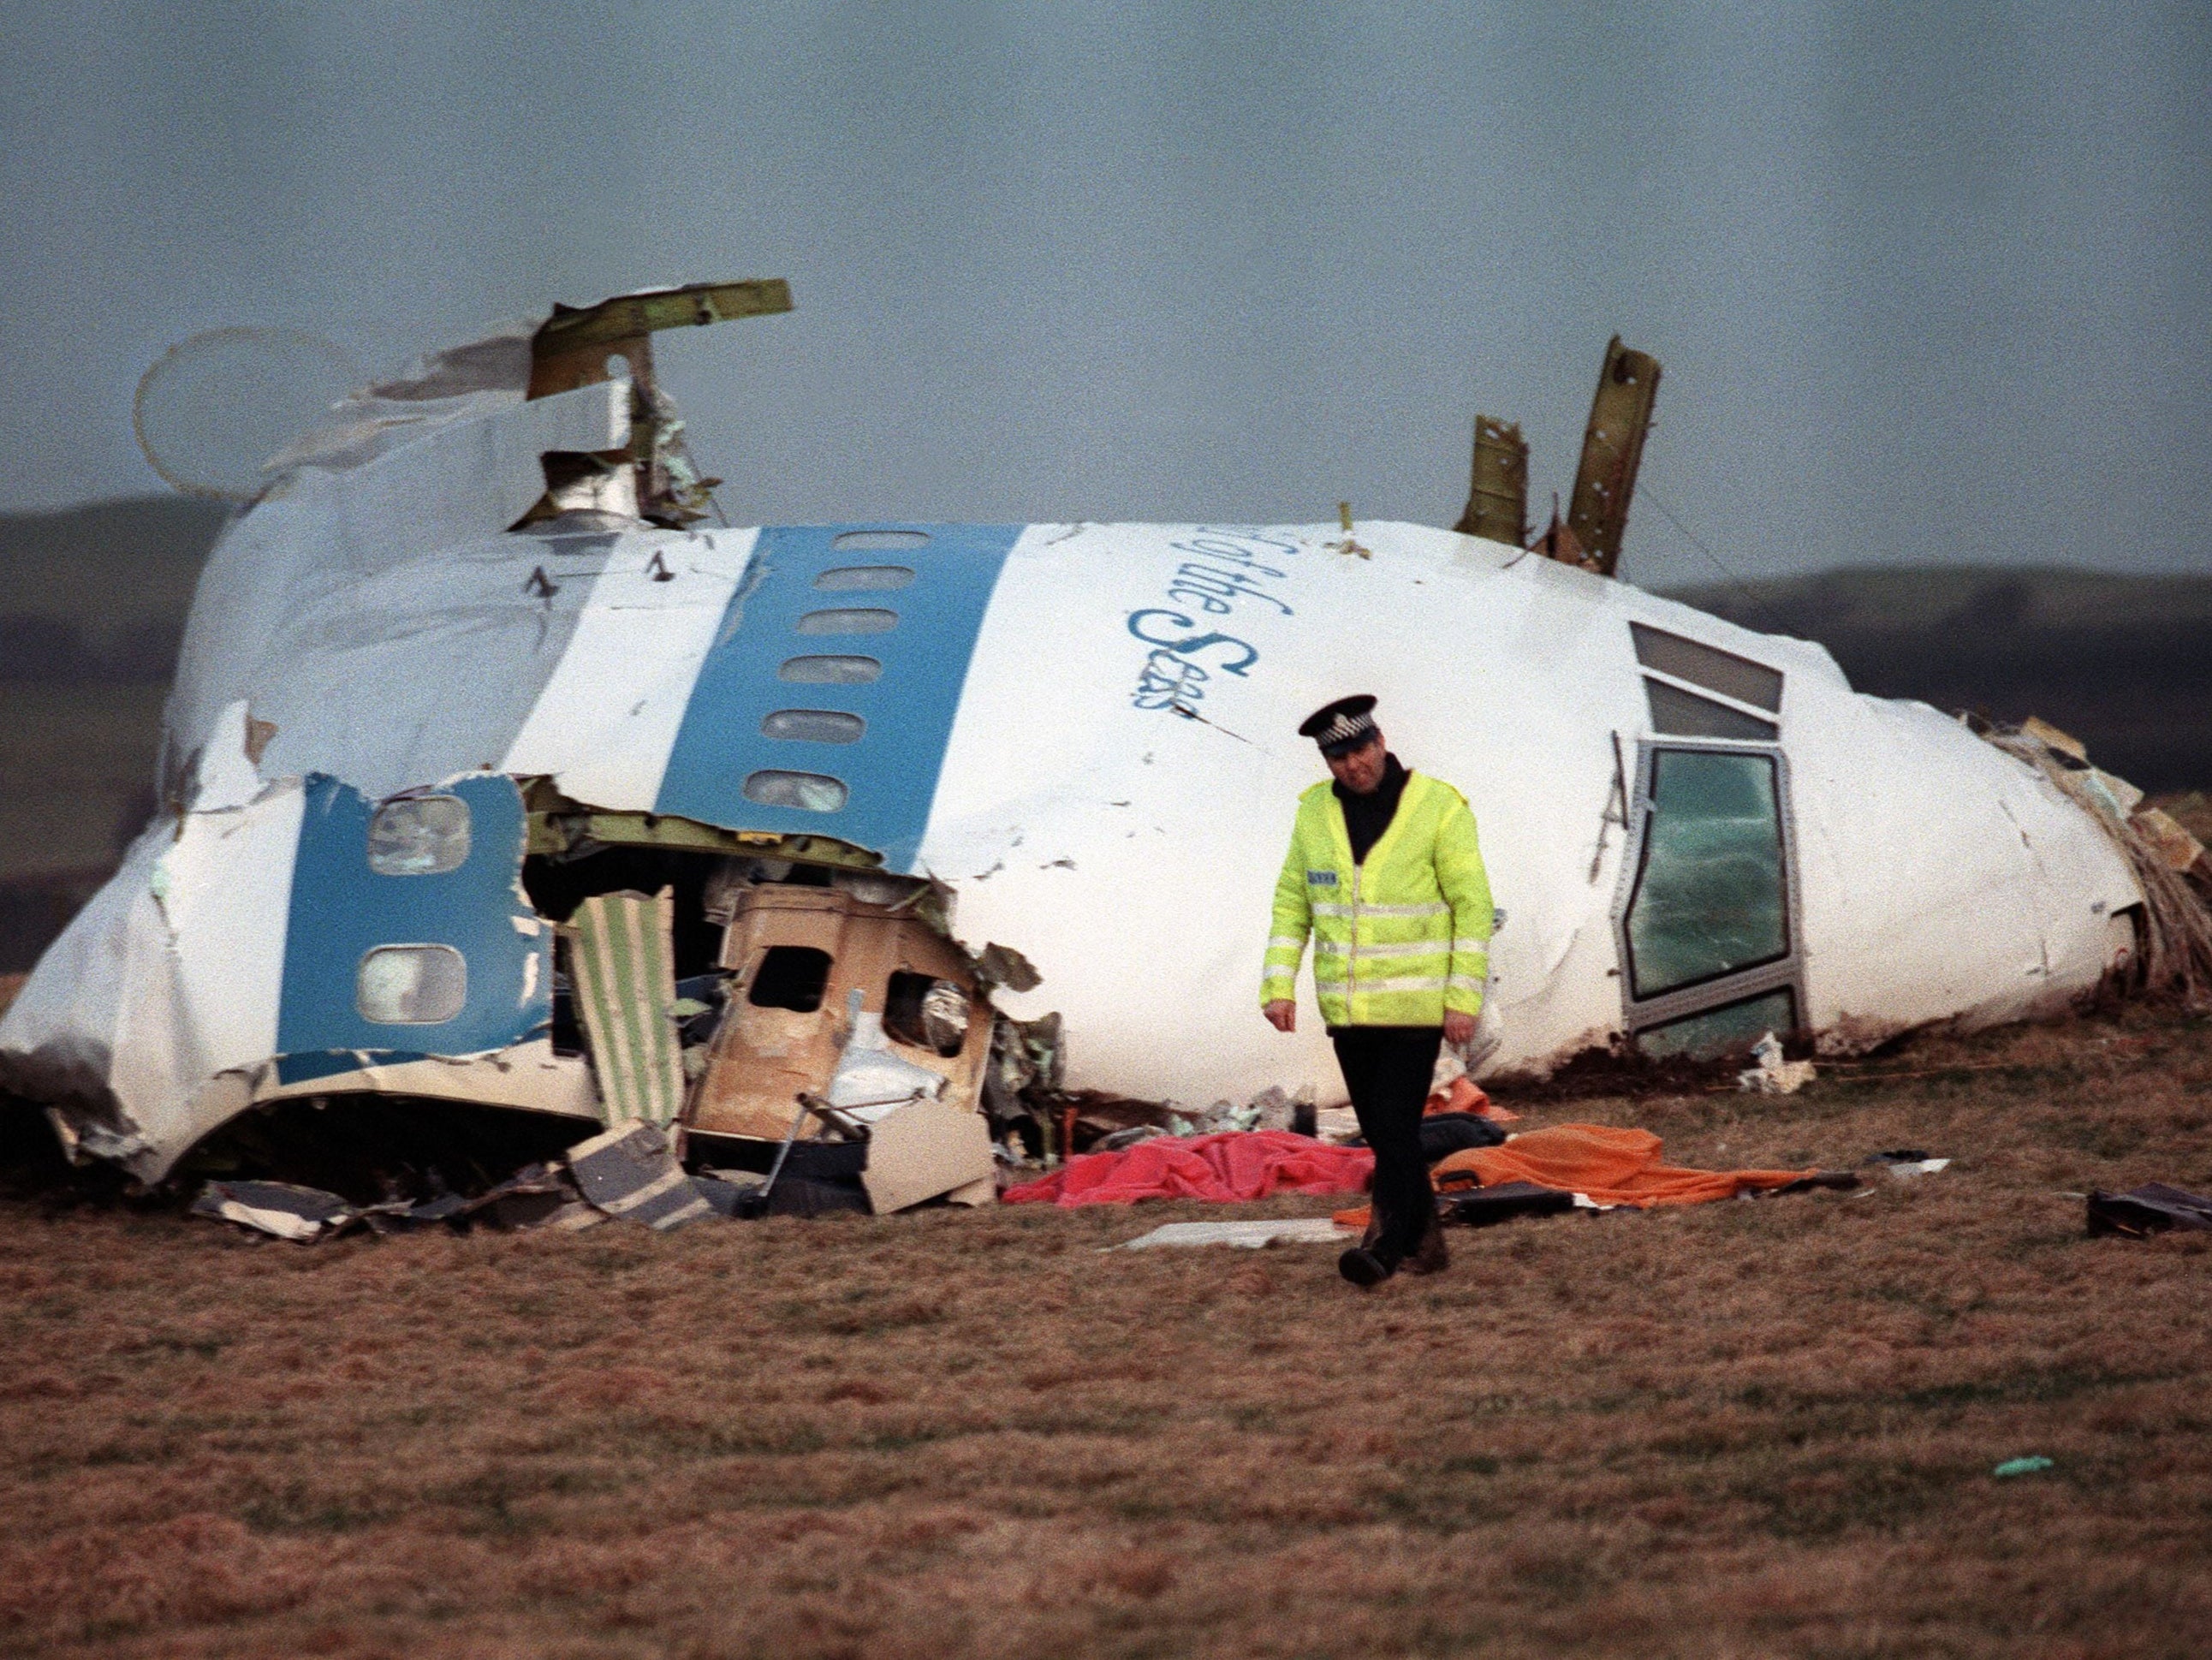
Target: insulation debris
[[2183, 853], [2175, 923], [1773, 1076]]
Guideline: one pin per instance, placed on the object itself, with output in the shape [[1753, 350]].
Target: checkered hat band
[[1344, 727]]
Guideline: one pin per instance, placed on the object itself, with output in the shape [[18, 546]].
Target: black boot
[[1431, 1257], [1363, 1267]]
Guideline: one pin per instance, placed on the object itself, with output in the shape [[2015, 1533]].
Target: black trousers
[[1387, 1070]]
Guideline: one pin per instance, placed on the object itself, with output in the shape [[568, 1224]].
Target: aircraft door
[[1712, 953]]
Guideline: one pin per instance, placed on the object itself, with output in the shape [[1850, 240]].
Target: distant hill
[[2124, 663], [99, 592], [93, 601], [92, 605]]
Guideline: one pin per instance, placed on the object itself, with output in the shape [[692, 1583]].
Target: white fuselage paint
[[1131, 852], [1114, 800], [604, 725]]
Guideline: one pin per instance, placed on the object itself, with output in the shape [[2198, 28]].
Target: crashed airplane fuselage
[[415, 727]]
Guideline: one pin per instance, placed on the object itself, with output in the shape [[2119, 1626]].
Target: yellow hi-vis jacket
[[1400, 941]]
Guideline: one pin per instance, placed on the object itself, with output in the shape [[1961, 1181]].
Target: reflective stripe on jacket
[[1400, 941]]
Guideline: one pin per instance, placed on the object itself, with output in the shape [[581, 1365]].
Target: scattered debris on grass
[[1772, 1074], [1254, 1235], [2154, 1207], [1905, 1162]]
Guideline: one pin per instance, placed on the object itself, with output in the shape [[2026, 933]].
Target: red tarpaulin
[[1224, 1169]]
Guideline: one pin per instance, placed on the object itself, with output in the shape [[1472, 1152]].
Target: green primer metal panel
[[624, 960]]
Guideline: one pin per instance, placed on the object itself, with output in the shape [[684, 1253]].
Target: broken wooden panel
[[622, 955], [1613, 449], [796, 954], [924, 1149], [1497, 492]]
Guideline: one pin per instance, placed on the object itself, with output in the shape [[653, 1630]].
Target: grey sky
[[1925, 289]]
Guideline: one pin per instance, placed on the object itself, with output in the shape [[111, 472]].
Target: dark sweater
[[1366, 816]]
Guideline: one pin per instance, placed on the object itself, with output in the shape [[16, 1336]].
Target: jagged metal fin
[[1613, 448], [1497, 492], [572, 347]]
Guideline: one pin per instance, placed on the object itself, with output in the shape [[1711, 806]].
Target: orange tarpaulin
[[1612, 1167], [1463, 1094]]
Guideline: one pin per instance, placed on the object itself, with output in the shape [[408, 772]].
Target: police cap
[[1341, 727]]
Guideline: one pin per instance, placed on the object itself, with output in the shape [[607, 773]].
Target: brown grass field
[[1759, 1427]]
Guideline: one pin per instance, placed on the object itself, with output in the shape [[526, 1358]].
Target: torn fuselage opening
[[581, 481], [655, 478], [787, 953], [370, 1147]]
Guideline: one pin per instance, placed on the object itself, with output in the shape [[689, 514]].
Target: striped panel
[[1399, 982], [631, 1172], [624, 962], [1410, 948], [1431, 909]]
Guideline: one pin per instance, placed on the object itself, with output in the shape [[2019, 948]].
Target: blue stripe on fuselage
[[891, 772], [341, 910]]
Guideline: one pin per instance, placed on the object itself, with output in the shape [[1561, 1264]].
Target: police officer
[[1386, 873]]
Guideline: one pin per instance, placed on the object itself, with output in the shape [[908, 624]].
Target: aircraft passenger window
[[853, 578], [1679, 713], [809, 791], [830, 670], [1731, 1026], [411, 985], [928, 1012], [814, 726], [1711, 893], [790, 977], [1708, 667], [860, 620], [419, 835], [878, 541]]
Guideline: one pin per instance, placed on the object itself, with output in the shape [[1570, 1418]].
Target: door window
[[1731, 1026], [1710, 897]]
